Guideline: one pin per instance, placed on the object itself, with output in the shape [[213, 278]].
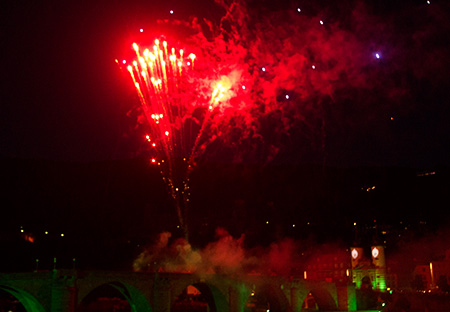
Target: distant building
[[434, 275], [340, 267], [332, 267]]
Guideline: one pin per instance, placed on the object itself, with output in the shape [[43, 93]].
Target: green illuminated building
[[369, 273]]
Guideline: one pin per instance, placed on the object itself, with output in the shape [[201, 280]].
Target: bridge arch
[[270, 294], [322, 297], [135, 298], [30, 303], [215, 299]]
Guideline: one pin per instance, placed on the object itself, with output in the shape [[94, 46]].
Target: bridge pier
[[237, 296], [346, 297], [296, 305], [63, 292], [162, 295]]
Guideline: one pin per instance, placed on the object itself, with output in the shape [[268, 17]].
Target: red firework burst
[[176, 113]]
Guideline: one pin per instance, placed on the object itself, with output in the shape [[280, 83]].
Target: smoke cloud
[[225, 255], [324, 79]]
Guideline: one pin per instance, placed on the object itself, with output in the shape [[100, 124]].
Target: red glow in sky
[[273, 87]]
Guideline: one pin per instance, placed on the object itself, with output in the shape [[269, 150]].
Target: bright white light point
[[321, 22], [171, 11], [287, 97], [166, 133], [188, 63], [299, 10], [62, 234], [428, 2], [313, 67], [141, 30], [243, 87], [263, 69], [124, 62], [377, 55]]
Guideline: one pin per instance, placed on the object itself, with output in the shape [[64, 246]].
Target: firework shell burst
[[258, 88], [184, 101]]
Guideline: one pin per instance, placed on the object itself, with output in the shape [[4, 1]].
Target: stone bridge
[[66, 290]]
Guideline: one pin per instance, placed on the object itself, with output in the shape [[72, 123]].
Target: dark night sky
[[63, 98]]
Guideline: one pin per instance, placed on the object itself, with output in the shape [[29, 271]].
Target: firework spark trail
[[159, 77]]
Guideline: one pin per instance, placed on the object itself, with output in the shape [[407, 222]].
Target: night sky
[[63, 97], [360, 84]]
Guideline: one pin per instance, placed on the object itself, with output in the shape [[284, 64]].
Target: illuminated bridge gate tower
[[367, 272], [67, 290]]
